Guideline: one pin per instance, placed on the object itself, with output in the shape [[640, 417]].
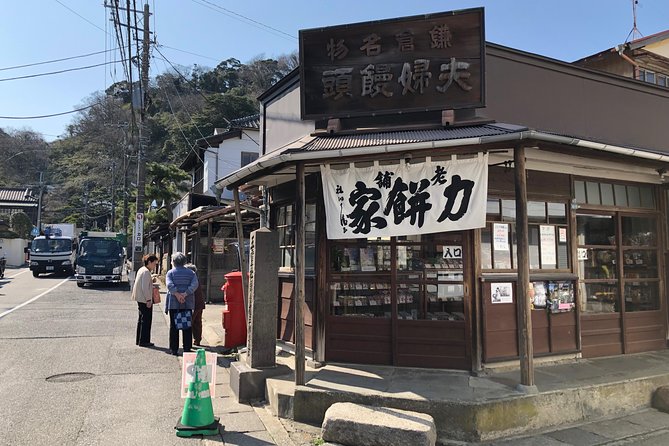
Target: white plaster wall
[[282, 121], [230, 157], [12, 249]]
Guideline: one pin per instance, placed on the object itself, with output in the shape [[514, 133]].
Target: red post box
[[234, 313]]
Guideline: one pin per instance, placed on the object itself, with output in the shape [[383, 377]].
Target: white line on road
[[32, 300], [15, 275]]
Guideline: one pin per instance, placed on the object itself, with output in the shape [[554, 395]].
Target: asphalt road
[[70, 372]]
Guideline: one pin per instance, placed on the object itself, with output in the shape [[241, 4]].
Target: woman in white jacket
[[142, 292]]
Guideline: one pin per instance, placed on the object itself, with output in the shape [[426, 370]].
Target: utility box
[[234, 313]]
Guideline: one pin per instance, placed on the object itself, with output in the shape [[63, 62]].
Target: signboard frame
[[382, 43]]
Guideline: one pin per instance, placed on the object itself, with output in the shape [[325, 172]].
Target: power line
[[48, 116], [234, 15], [82, 17], [56, 60], [57, 72], [227, 121], [188, 52]]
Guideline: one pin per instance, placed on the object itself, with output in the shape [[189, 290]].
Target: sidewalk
[[245, 424], [584, 402]]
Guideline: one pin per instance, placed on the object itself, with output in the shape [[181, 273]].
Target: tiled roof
[[15, 195], [406, 137], [247, 122]]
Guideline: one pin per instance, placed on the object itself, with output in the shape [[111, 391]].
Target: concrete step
[[279, 394], [476, 421]]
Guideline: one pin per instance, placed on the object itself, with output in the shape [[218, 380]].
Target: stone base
[[348, 423], [248, 384]]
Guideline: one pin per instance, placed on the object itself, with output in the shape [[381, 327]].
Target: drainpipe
[[620, 49]]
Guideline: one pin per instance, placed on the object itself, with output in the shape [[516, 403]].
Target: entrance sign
[[405, 199], [419, 63]]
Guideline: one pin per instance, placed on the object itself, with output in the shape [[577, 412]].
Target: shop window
[[640, 266], [547, 236], [602, 277], [285, 225], [598, 263], [359, 278], [427, 271], [610, 194]]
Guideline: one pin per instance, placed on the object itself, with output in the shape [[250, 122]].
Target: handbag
[[182, 319], [156, 296]]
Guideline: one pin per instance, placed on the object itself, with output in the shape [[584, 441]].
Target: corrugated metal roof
[[337, 142], [15, 195]]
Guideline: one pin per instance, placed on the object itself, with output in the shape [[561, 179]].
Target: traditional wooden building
[[412, 239]]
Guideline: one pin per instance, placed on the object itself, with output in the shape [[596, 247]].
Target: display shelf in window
[[640, 264], [597, 263], [642, 296], [445, 301], [410, 301], [357, 259], [360, 299], [554, 296], [419, 258]]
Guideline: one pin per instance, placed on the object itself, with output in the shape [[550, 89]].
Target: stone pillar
[[263, 303]]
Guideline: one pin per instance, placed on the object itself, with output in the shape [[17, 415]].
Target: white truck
[[55, 251]]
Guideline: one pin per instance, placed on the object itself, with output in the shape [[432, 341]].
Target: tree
[[23, 154], [21, 224], [165, 184]]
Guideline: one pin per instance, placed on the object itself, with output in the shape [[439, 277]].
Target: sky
[[205, 32]]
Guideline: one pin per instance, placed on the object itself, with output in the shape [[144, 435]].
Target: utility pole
[[138, 235], [85, 206], [39, 202], [112, 226]]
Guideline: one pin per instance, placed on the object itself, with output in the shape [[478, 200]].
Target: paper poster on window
[[547, 242], [501, 293], [500, 236], [367, 259], [405, 199], [562, 235], [582, 254]]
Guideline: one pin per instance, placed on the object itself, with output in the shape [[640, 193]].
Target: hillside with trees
[[92, 170]]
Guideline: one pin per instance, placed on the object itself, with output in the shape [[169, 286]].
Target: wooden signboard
[[419, 63]]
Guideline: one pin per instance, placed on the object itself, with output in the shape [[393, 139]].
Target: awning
[[273, 167]]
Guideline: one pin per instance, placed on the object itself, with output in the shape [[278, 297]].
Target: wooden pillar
[[242, 252], [210, 244], [299, 276], [525, 345]]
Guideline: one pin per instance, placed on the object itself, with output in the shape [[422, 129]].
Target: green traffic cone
[[198, 414]]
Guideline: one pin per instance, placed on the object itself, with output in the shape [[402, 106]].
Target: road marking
[[15, 275], [32, 300]]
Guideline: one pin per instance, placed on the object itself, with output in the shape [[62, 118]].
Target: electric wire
[[193, 145], [244, 19], [79, 15], [191, 53], [227, 121], [118, 31], [28, 76], [56, 60], [50, 115]]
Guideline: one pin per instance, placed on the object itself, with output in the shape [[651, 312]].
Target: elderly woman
[[142, 293], [181, 286]]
